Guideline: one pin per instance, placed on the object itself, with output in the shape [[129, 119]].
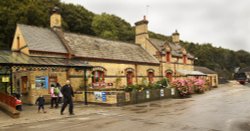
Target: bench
[[9, 105]]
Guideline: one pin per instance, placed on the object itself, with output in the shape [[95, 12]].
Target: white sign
[[162, 92], [147, 94], [98, 96], [127, 96], [5, 79], [172, 91]]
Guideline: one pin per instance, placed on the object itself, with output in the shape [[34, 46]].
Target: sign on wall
[[104, 98], [161, 92], [127, 96], [98, 96], [5, 79], [172, 91], [147, 94]]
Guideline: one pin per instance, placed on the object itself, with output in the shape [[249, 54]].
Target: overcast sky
[[223, 23]]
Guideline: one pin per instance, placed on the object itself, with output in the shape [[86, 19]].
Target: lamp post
[[85, 87]]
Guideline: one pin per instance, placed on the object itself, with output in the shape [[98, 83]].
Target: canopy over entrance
[[190, 73], [10, 60]]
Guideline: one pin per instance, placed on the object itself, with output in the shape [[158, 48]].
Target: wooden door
[[52, 81], [24, 85], [150, 77], [129, 78]]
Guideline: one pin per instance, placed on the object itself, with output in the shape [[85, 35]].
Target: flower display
[[186, 87]]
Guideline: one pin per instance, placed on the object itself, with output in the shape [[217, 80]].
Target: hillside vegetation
[[78, 19]]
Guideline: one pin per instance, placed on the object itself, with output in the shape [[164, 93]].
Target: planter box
[[120, 98]]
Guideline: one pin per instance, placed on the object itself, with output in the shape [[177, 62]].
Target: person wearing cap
[[67, 92]]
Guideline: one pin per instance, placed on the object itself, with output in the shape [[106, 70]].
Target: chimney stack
[[141, 32], [176, 37], [55, 18]]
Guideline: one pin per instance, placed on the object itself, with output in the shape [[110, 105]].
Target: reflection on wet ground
[[223, 109]]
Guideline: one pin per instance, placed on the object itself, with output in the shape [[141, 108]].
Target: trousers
[[67, 101]]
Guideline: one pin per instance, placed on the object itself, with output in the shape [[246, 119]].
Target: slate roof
[[93, 47], [16, 58], [204, 70], [175, 48], [41, 39]]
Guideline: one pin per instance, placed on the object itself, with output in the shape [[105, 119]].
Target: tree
[[112, 27]]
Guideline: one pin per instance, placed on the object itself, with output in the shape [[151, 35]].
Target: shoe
[[72, 114]]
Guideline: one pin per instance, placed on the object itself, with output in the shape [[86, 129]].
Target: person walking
[[40, 102], [68, 93], [59, 99], [53, 96]]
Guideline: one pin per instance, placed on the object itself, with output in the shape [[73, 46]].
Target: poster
[[104, 98], [172, 91], [127, 96], [42, 82], [98, 96]]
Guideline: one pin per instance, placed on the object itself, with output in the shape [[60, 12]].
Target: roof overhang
[[190, 73]]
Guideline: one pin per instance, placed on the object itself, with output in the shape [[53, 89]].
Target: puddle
[[141, 105], [154, 105], [143, 111]]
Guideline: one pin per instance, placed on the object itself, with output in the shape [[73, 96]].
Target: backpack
[[56, 91]]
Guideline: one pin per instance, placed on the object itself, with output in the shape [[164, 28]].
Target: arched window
[[129, 76], [98, 75], [150, 75], [169, 74]]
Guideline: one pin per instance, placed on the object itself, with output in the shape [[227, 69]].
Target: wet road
[[223, 109]]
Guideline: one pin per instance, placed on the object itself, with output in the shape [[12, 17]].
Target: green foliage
[[32, 12], [223, 61], [112, 27], [158, 85], [118, 82], [159, 36], [78, 19], [163, 83], [144, 81]]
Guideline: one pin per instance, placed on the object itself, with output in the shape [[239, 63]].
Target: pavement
[[30, 114], [222, 109]]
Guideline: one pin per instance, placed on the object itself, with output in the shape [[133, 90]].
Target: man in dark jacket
[[68, 93]]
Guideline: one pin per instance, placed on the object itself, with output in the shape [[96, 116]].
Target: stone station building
[[115, 64]]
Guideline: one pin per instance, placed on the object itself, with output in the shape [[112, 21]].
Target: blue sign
[[104, 98]]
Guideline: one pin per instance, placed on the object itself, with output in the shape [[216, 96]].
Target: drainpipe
[[85, 86], [136, 77], [11, 83]]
